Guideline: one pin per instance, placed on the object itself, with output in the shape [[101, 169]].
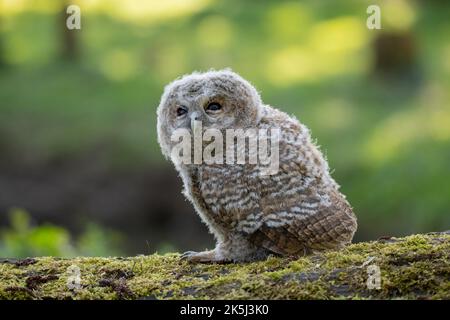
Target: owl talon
[[188, 254], [202, 257]]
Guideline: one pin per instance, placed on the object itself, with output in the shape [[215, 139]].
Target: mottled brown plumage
[[295, 211]]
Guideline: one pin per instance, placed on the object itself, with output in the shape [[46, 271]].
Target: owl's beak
[[196, 123]]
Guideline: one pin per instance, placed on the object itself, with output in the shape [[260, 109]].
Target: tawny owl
[[293, 211]]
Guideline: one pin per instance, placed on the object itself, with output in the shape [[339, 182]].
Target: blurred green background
[[81, 172]]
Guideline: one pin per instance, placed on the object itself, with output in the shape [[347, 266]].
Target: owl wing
[[299, 212], [299, 230]]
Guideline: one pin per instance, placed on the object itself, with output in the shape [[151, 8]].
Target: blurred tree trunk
[[395, 54], [2, 49], [70, 45]]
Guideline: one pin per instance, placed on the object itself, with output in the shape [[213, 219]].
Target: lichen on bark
[[414, 267]]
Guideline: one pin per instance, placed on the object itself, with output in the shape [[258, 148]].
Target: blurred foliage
[[387, 138], [22, 239]]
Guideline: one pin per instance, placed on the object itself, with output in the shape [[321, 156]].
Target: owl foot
[[203, 257]]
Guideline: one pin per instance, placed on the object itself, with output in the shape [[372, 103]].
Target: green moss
[[417, 266]]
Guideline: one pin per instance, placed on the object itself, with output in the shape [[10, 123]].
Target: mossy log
[[414, 267]]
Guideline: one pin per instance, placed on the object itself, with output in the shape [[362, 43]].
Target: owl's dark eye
[[181, 111], [213, 106]]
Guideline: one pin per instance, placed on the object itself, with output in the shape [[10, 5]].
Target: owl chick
[[293, 212]]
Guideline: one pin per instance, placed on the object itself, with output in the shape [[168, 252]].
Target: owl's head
[[219, 99]]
